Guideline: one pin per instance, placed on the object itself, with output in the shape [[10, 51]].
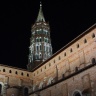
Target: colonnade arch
[[77, 93]]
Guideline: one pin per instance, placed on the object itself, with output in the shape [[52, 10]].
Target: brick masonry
[[68, 72]]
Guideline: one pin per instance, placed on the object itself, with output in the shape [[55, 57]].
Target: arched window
[[77, 93], [25, 92], [0, 89], [93, 35], [65, 54], [77, 45], [3, 70], [16, 72], [10, 71], [22, 73], [27, 75], [71, 50], [93, 61], [85, 41]]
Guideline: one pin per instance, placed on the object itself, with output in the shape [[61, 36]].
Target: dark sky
[[67, 19]]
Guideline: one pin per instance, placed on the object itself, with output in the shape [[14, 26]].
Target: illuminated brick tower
[[40, 43]]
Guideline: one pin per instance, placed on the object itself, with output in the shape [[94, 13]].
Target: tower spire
[[40, 48], [40, 14]]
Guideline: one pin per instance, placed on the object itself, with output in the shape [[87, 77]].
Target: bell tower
[[40, 48]]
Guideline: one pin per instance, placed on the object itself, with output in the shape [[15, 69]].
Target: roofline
[[13, 67], [67, 45]]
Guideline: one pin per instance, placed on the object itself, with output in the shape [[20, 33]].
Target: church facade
[[71, 71]]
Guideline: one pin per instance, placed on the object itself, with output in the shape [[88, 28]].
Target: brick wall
[[80, 82], [74, 57]]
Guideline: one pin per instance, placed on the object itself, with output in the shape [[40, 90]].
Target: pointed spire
[[40, 14]]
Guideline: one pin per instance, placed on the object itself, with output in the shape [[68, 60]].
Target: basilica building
[[71, 71]]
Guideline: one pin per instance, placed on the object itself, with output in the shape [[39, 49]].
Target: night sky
[[67, 19]]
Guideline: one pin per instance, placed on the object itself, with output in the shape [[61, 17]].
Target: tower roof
[[40, 14]]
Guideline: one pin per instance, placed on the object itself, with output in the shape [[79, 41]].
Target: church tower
[[40, 43]]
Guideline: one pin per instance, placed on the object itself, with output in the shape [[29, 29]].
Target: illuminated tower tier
[[40, 43]]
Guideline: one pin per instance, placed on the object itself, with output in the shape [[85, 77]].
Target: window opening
[[22, 73], [10, 71], [93, 35], [71, 50], [27, 75], [64, 54], [77, 93], [16, 72], [93, 61], [77, 45], [3, 70], [85, 41]]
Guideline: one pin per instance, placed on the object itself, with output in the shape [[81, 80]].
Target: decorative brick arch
[[77, 93]]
